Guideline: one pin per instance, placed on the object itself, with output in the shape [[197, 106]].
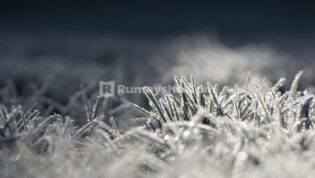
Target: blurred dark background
[[66, 43], [232, 20]]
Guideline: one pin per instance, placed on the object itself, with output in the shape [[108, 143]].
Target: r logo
[[107, 89]]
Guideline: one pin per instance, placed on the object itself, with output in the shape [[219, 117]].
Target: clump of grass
[[251, 105], [33, 128]]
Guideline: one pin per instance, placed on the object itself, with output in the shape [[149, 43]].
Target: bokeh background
[[63, 44]]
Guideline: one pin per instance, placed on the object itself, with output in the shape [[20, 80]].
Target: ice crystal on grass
[[255, 131]]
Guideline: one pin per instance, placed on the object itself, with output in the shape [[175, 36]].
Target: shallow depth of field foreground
[[258, 130]]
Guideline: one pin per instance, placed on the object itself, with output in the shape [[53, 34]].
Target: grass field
[[254, 130]]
